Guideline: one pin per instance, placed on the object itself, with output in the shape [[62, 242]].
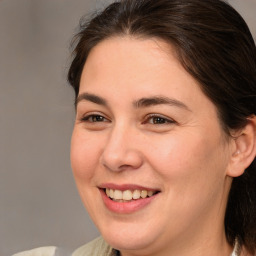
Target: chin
[[127, 243], [129, 236]]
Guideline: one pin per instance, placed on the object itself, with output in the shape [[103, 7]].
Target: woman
[[164, 142]]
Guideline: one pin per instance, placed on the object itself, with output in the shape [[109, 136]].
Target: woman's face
[[147, 135]]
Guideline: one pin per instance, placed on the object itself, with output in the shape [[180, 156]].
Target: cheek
[[190, 158], [192, 169], [85, 152]]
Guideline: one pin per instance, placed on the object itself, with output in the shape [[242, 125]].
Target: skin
[[185, 154]]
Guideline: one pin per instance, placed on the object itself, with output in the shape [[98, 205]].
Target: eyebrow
[[159, 100], [141, 103], [92, 98]]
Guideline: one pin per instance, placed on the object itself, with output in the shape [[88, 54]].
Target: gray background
[[39, 204]]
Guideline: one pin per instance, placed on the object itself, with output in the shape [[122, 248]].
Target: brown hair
[[215, 46]]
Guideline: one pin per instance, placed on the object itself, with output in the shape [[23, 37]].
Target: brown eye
[[94, 118], [156, 119]]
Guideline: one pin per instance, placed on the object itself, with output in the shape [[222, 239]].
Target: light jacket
[[97, 247]]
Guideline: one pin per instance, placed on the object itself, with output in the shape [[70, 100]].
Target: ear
[[243, 150]]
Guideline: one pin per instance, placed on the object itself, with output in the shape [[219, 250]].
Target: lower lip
[[127, 207]]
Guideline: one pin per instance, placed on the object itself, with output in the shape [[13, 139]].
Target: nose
[[121, 151]]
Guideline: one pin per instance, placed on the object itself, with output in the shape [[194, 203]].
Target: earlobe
[[244, 149]]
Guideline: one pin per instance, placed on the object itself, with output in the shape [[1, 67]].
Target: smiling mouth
[[128, 195]]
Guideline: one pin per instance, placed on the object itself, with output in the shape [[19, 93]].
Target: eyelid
[[86, 116], [168, 119]]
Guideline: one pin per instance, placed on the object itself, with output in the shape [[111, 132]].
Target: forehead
[[136, 48], [126, 60], [136, 67]]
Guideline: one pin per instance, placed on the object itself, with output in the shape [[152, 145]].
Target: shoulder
[[97, 247], [42, 251]]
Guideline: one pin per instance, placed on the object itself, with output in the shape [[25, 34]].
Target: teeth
[[144, 193], [150, 193], [136, 194], [127, 195], [118, 194], [111, 193]]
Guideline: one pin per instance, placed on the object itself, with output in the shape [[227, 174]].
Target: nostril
[[125, 167], [128, 160], [121, 168]]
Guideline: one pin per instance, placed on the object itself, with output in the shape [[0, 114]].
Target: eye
[[94, 118], [157, 119], [95, 121]]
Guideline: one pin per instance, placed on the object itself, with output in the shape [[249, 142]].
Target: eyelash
[[162, 120], [155, 118], [91, 116]]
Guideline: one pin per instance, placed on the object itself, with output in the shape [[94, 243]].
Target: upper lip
[[123, 187]]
